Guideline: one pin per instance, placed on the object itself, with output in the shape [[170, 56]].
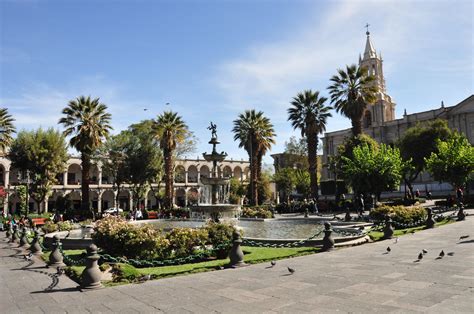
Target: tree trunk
[[253, 177], [312, 141], [168, 179], [86, 165], [356, 126]]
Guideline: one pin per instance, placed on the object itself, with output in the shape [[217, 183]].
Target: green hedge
[[401, 214]]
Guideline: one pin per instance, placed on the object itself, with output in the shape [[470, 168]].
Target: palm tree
[[88, 123], [256, 135], [352, 91], [6, 129], [309, 114], [170, 129]]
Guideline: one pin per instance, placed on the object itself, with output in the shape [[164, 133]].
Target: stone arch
[[238, 173], [74, 174], [246, 173], [108, 199], [180, 197], [94, 199], [179, 174], [192, 174], [227, 172], [124, 199], [205, 172]]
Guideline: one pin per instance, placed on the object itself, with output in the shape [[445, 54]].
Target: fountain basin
[[225, 211]]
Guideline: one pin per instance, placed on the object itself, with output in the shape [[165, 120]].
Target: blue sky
[[212, 60]]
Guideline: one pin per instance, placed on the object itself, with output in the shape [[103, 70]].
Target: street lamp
[[24, 178]]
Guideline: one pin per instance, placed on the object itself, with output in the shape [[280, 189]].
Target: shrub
[[49, 227], [220, 235], [184, 240], [119, 238], [256, 212], [400, 214], [64, 225]]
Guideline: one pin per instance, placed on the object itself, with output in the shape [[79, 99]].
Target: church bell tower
[[384, 108]]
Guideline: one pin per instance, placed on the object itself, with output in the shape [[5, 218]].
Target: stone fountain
[[217, 184]]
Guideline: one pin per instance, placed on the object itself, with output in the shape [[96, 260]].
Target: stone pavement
[[355, 280]]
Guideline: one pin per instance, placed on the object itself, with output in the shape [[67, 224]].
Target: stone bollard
[[35, 247], [14, 234], [461, 214], [328, 241], [23, 237], [91, 276], [56, 257], [388, 229], [430, 221], [236, 255]]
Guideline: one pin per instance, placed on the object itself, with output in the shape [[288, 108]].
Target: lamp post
[[24, 179]]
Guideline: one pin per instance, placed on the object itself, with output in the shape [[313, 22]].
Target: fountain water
[[215, 188]]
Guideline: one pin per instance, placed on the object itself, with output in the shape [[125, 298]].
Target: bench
[[39, 221], [152, 215]]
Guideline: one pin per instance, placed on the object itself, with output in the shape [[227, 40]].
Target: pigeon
[[291, 270], [28, 257], [145, 109], [441, 254], [145, 278], [59, 271], [450, 253], [396, 240], [420, 256], [424, 251], [388, 249], [273, 263], [463, 237]]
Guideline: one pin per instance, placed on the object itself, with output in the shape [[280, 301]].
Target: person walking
[[459, 196], [360, 204]]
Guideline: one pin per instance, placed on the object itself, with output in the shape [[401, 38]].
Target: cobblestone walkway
[[360, 279]]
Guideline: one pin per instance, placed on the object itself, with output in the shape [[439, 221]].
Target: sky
[[210, 60]]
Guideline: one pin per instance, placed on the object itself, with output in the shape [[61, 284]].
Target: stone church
[[379, 120]]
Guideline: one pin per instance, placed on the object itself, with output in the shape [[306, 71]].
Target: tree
[[170, 129], [309, 114], [112, 155], [424, 137], [302, 182], [373, 170], [144, 162], [351, 92], [6, 129], [256, 135], [44, 155], [87, 122], [285, 181], [297, 146], [453, 161]]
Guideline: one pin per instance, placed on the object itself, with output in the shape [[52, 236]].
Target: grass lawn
[[128, 273], [378, 235]]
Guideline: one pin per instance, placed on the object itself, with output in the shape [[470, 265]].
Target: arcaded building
[[188, 174], [379, 120]]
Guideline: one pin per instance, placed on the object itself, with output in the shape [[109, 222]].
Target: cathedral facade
[[380, 123]]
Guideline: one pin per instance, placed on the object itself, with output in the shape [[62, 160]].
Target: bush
[[64, 225], [49, 227], [256, 212], [119, 238], [184, 240], [401, 214], [220, 235]]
